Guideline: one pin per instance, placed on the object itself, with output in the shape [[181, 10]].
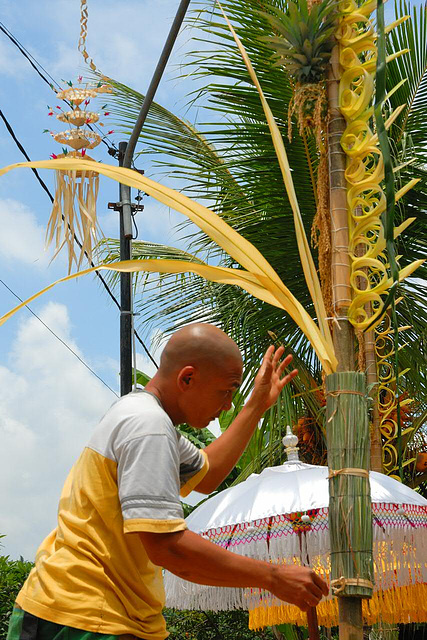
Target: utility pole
[[125, 207], [126, 320]]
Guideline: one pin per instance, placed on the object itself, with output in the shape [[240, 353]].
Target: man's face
[[211, 392]]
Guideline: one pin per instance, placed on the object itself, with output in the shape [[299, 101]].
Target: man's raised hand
[[270, 380]]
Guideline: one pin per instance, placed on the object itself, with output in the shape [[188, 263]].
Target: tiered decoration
[[75, 190]]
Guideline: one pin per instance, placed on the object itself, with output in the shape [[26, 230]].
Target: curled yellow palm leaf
[[258, 277]]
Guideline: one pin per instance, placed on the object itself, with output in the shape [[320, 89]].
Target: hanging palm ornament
[[74, 208]]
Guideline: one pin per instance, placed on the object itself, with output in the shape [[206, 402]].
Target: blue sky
[[49, 401]]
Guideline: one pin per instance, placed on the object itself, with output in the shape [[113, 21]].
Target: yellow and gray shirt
[[92, 572]]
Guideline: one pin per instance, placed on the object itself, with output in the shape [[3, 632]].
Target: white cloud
[[12, 63], [49, 404], [21, 238], [124, 44]]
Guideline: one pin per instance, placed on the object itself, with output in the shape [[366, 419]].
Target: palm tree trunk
[[343, 334], [349, 606]]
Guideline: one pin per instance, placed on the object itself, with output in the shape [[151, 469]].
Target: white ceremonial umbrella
[[281, 515]]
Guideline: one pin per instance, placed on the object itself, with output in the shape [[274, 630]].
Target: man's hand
[[300, 586], [269, 381]]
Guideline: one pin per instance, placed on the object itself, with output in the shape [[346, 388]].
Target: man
[[120, 519]]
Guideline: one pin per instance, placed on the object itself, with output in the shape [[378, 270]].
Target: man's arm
[[192, 558], [224, 453]]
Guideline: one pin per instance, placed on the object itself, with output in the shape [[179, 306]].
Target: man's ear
[[185, 378]]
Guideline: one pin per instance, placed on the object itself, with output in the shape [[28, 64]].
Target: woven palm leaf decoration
[[73, 214], [74, 208]]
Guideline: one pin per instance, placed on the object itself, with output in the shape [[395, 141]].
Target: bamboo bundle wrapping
[[350, 515]]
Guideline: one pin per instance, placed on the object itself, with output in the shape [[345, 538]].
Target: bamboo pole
[[339, 423], [343, 335], [350, 619]]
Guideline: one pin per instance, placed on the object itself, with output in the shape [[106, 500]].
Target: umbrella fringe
[[400, 567], [397, 605], [187, 595]]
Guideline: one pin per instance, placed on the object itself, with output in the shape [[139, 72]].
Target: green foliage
[[142, 378], [201, 625], [304, 39], [13, 574]]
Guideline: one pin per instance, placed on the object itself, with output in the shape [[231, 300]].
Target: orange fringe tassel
[[401, 604]]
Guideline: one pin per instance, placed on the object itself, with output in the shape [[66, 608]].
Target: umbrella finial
[[290, 442]]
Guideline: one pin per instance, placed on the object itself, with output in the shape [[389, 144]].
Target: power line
[[27, 55], [60, 339], [24, 153], [76, 240], [112, 149]]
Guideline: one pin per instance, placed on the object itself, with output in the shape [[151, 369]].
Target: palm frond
[[234, 178], [411, 126], [228, 159]]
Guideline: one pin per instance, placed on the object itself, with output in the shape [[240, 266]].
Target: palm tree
[[231, 163]]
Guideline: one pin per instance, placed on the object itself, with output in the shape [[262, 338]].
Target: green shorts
[[25, 626]]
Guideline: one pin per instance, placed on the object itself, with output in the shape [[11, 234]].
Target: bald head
[[198, 345], [200, 369]]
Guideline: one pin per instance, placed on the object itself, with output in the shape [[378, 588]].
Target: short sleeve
[[148, 481], [193, 467]]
